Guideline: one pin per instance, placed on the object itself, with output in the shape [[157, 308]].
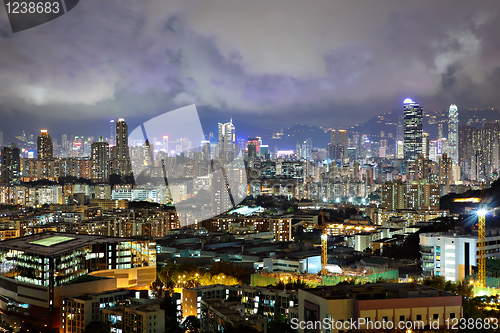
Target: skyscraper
[[1, 139], [100, 161], [489, 147], [45, 148], [227, 138], [340, 142], [164, 147], [425, 144], [453, 134], [253, 148], [412, 114], [11, 165], [112, 134], [122, 156]]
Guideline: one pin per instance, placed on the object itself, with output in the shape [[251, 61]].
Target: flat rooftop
[[392, 290], [51, 243]]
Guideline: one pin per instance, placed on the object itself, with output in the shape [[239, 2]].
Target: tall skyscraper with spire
[[453, 134], [412, 117]]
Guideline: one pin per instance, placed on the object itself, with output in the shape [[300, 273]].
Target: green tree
[[279, 325], [192, 324]]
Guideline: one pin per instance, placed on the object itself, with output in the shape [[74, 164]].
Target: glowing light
[[121, 119], [482, 212], [43, 131], [337, 200], [473, 200], [165, 136], [408, 101]]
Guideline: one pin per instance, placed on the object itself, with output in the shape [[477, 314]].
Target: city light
[[482, 212]]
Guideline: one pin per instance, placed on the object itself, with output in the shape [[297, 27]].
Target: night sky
[[329, 63]]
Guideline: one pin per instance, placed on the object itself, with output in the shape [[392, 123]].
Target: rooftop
[[52, 243], [378, 291]]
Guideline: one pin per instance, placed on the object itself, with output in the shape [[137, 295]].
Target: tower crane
[[324, 242], [481, 235]]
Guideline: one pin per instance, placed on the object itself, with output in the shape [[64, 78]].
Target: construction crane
[[324, 242], [481, 237]]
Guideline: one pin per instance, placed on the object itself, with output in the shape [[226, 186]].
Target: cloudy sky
[[322, 62]]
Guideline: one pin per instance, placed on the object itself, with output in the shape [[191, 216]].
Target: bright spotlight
[[482, 212]]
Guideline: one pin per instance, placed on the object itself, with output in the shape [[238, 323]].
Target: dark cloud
[[329, 62]]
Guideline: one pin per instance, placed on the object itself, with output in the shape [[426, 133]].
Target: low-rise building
[[135, 319], [454, 255], [391, 303]]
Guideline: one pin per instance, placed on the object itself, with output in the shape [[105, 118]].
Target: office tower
[[253, 148], [453, 134], [264, 151], [100, 161], [112, 133], [164, 147], [1, 139], [45, 149], [227, 138], [412, 113], [400, 129], [400, 149], [122, 167], [425, 144], [205, 150], [339, 140], [11, 165]]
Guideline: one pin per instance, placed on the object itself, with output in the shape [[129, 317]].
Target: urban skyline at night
[[252, 166]]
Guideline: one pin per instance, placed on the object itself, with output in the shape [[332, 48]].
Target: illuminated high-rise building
[[445, 170], [112, 132], [45, 149], [490, 147], [453, 134], [227, 139], [253, 148], [412, 114], [11, 165], [425, 144], [123, 166], [340, 142], [100, 161], [164, 147]]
